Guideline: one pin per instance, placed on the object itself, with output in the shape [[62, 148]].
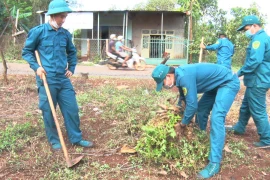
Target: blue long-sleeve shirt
[[55, 48], [256, 69], [225, 51], [199, 78]]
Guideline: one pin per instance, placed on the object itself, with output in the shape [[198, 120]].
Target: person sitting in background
[[120, 47], [111, 47]]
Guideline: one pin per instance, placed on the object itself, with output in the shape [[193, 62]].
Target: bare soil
[[20, 97]]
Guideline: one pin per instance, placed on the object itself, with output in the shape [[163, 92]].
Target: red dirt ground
[[16, 100]]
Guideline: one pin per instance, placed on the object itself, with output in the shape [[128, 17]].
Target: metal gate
[[153, 46]]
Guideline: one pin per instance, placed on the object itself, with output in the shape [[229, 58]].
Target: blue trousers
[[63, 94], [253, 105], [218, 100]]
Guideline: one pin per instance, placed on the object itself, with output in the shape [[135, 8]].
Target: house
[[152, 32]]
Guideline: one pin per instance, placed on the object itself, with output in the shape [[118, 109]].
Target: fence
[[153, 47], [92, 49]]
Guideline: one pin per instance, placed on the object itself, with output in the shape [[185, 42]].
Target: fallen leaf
[[227, 149], [182, 173], [161, 111], [95, 109], [162, 172], [122, 87], [163, 106], [128, 150]]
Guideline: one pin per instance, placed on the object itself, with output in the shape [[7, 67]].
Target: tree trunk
[[4, 66], [190, 30]]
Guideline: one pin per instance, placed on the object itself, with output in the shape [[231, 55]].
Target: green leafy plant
[[12, 134], [158, 143]]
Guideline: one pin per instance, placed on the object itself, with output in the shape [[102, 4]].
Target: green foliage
[[159, 144], [155, 141], [213, 21], [156, 5], [13, 136], [238, 148]]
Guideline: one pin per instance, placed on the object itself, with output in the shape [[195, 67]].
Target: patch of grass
[[21, 61], [16, 136]]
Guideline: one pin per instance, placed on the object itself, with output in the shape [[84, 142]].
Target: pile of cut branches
[[162, 142]]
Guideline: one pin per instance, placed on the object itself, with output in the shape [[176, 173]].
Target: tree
[[157, 5]]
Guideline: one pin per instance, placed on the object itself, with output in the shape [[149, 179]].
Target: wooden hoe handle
[[201, 52]]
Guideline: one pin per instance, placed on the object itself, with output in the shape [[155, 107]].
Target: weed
[[158, 144], [11, 136]]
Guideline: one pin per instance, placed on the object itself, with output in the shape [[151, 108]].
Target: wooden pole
[[201, 52], [191, 28], [88, 49], [16, 25]]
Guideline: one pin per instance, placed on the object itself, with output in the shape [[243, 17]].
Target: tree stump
[[4, 66]]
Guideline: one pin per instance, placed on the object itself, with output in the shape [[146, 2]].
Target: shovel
[[69, 162]]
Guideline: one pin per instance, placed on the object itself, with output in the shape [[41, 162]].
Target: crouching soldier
[[219, 86]]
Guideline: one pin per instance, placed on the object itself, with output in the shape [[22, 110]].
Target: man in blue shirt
[[121, 48], [219, 86], [256, 72], [58, 59], [224, 48]]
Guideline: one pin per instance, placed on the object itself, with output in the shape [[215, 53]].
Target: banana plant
[[22, 17]]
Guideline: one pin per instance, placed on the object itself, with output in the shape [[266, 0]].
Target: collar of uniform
[[259, 32], [50, 27]]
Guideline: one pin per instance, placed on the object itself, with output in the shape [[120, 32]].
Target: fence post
[[88, 49]]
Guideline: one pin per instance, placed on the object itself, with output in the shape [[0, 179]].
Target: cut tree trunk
[[4, 66]]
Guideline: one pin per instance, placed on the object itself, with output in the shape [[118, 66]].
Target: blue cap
[[249, 20], [58, 6], [159, 74]]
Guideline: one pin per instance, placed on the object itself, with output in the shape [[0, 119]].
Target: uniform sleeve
[[215, 46], [71, 54], [189, 87], [181, 97], [31, 44], [256, 55]]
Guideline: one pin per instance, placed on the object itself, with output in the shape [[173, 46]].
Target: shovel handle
[[64, 148], [201, 51]]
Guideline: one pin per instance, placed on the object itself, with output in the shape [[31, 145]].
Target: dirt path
[[98, 70]]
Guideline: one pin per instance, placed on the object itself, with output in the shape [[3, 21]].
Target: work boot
[[85, 143], [210, 170], [56, 146], [233, 129], [261, 144]]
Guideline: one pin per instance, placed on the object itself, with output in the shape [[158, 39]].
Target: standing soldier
[[224, 48], [58, 58], [256, 72]]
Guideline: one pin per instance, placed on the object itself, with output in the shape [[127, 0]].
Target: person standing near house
[[219, 84], [224, 48], [120, 48], [256, 72], [58, 59]]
